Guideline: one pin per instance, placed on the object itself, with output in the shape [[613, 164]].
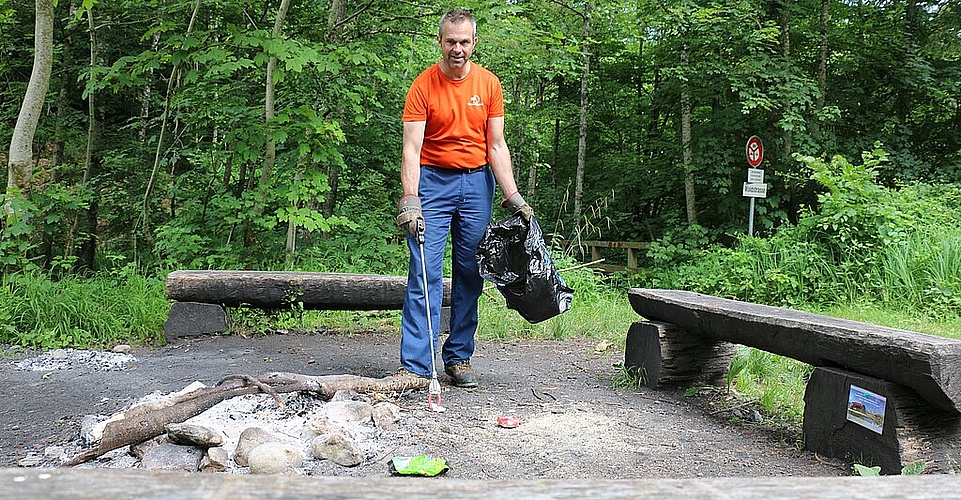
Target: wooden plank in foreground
[[280, 289], [927, 364], [109, 484]]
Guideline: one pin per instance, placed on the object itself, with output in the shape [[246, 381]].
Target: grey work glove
[[515, 204], [409, 216]]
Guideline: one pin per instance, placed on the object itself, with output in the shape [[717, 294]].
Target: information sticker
[[866, 408]]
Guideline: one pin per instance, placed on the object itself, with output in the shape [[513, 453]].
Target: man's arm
[[499, 156], [410, 161]]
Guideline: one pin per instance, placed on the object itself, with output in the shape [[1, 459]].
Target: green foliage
[[861, 243], [775, 381], [628, 378], [863, 470], [120, 306], [915, 468]]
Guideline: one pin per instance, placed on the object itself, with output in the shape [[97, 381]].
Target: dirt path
[[574, 425]]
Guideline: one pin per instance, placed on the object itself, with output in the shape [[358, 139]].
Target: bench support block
[[667, 357], [911, 430], [190, 319], [194, 318]]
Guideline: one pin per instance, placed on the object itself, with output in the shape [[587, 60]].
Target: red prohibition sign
[[754, 151]]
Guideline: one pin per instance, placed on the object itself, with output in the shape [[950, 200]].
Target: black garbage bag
[[512, 255]]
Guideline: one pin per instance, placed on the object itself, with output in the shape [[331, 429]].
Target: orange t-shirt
[[456, 112]]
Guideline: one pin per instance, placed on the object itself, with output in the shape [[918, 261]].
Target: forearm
[[410, 159], [499, 157]]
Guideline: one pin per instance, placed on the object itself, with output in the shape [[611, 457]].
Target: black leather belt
[[457, 170]]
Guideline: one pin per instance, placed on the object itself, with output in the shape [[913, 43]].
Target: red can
[[508, 422]]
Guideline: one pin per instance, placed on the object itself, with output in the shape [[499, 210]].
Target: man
[[453, 150]]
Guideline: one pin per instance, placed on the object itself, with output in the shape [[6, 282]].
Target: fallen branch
[[140, 423]]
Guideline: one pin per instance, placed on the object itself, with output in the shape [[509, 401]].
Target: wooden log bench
[[110, 484], [877, 395], [200, 296]]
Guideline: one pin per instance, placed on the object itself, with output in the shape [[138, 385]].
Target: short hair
[[456, 16]]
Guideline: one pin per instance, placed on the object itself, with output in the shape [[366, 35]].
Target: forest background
[[147, 136]]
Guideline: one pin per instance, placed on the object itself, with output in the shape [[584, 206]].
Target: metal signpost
[[755, 187]]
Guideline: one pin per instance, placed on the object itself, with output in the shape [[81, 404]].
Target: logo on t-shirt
[[475, 100]]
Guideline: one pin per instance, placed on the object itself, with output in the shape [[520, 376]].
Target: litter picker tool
[[434, 388]]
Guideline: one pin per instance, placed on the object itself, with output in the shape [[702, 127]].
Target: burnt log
[[283, 289], [929, 365]]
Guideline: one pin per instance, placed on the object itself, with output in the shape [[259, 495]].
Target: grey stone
[[199, 435], [344, 395], [249, 439], [121, 348], [194, 318], [385, 415], [140, 449], [320, 425], [171, 456], [348, 411], [338, 449], [215, 460], [274, 458], [31, 461]]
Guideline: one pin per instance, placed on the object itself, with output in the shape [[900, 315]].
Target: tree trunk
[[334, 20], [270, 148], [909, 51], [788, 136], [822, 67], [88, 235], [20, 158], [582, 127], [143, 220], [290, 246], [689, 200]]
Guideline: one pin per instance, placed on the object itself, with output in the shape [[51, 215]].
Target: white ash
[[65, 359]]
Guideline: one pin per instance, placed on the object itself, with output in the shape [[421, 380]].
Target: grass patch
[[596, 312], [948, 327], [110, 308]]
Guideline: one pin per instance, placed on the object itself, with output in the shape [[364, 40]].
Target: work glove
[[409, 216], [515, 204]]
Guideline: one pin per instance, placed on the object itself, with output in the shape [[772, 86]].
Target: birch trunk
[[689, 200], [20, 157], [582, 127]]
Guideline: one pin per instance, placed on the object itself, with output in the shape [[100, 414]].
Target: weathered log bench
[[877, 395], [200, 296], [109, 484]]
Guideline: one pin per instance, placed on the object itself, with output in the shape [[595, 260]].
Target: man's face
[[457, 43]]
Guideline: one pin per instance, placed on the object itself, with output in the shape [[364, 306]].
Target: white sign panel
[[866, 408], [754, 190], [755, 175]]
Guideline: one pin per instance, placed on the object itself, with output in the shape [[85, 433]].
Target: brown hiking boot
[[462, 374], [405, 373]]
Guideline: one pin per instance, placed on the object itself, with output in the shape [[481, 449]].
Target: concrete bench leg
[[667, 357], [187, 319], [849, 424]]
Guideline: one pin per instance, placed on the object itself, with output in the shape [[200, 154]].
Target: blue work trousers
[[460, 203]]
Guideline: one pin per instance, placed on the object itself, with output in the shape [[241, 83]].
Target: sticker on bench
[[866, 408]]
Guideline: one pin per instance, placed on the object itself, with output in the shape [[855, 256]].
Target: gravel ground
[[573, 423]]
